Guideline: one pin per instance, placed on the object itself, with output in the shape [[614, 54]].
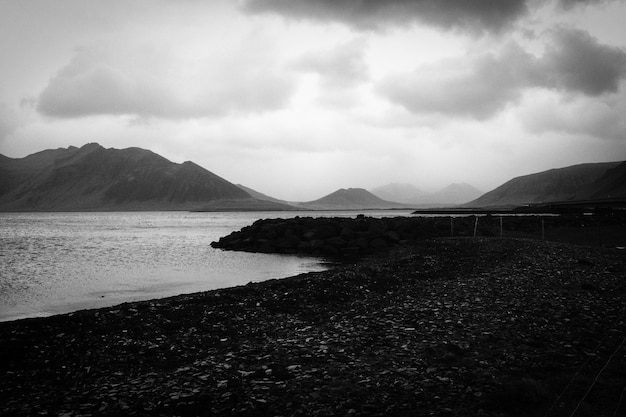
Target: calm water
[[53, 263]]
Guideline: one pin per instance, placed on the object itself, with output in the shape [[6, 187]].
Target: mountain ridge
[[570, 183], [95, 178]]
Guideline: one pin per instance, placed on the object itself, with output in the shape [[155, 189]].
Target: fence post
[[475, 226], [500, 226], [451, 226], [543, 230]]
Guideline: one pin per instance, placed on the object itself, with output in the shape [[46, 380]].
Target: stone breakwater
[[336, 236], [340, 237]]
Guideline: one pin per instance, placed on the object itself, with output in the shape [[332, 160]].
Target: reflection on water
[[59, 262]]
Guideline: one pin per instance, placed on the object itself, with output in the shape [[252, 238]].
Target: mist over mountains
[[453, 194], [92, 178]]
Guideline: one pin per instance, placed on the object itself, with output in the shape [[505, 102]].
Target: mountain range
[[92, 178]]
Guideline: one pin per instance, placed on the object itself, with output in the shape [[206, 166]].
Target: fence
[[608, 230]]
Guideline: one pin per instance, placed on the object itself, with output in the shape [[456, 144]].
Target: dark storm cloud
[[476, 15], [480, 87], [576, 61], [568, 4]]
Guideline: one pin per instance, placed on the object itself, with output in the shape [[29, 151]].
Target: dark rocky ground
[[445, 327]]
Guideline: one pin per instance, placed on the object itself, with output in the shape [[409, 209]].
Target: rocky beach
[[445, 326]]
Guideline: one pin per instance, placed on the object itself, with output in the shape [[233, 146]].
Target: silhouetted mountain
[[351, 199], [453, 194], [562, 184], [402, 193], [95, 178]]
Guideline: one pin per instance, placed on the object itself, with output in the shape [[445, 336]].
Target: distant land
[[453, 194], [584, 182], [92, 178]]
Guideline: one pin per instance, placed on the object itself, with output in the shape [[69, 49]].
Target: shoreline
[[492, 327]]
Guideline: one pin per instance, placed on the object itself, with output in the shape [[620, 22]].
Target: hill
[[562, 184], [351, 199], [453, 194], [95, 178]]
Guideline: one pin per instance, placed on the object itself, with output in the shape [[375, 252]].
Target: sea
[[54, 263]]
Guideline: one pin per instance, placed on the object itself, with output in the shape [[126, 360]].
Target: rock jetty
[[341, 237], [332, 236]]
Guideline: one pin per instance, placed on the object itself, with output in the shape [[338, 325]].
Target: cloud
[[570, 4], [340, 67], [545, 111], [481, 86], [477, 15], [576, 61], [10, 120], [471, 87], [102, 89], [146, 82]]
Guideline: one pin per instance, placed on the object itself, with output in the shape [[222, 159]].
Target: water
[[52, 263]]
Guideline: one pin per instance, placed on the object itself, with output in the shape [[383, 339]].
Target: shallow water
[[53, 263]]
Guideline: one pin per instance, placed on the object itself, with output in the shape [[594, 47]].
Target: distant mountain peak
[[350, 199]]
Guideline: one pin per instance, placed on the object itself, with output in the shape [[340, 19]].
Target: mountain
[[610, 186], [350, 199], [402, 193], [453, 194], [95, 178], [562, 184]]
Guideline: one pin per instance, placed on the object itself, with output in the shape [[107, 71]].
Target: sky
[[297, 98]]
